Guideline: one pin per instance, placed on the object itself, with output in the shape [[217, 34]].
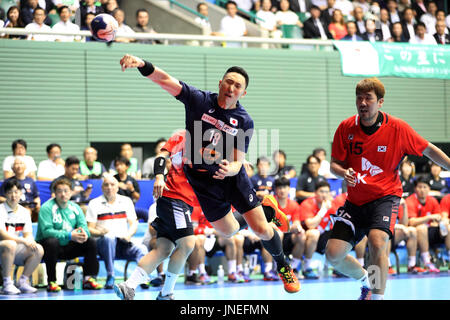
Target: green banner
[[394, 59]]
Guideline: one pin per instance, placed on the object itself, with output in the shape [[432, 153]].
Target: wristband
[[159, 166], [147, 69]]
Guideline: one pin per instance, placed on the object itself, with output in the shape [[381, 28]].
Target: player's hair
[[61, 181], [370, 84], [71, 160], [263, 159], [422, 179], [322, 184], [123, 160], [51, 146], [239, 70], [9, 184], [17, 142], [282, 182]]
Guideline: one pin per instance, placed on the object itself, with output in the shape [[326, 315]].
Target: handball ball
[[104, 27]]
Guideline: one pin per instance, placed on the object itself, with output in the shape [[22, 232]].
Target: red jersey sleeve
[[173, 144], [307, 210], [339, 147], [412, 206], [436, 206], [445, 204], [412, 142]]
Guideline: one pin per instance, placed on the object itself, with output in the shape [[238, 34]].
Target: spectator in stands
[[306, 183], [441, 36], [128, 186], [112, 221], [298, 6], [394, 15], [268, 22], [345, 6], [324, 169], [110, 6], [262, 182], [314, 27], [53, 167], [17, 245], [65, 24], [281, 168], [397, 33], [80, 195], [407, 173], [419, 7], [422, 37], [63, 233], [232, 25], [408, 23], [363, 4], [403, 4], [90, 168], [127, 151], [385, 24], [286, 16], [28, 7], [429, 18], [372, 34], [437, 183], [143, 25], [13, 20], [327, 13], [39, 25], [89, 17], [358, 15], [294, 240], [425, 215], [72, 4], [19, 148], [147, 167], [119, 15], [315, 217], [29, 199], [352, 32], [89, 6], [247, 5], [337, 26]]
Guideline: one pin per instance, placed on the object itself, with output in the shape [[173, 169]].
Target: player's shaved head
[[371, 84]]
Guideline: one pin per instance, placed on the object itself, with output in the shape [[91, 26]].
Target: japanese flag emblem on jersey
[[233, 122]]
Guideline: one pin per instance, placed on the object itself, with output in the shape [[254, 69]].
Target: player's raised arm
[[157, 75], [437, 155]]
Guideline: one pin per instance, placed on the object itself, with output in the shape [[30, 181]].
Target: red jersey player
[[366, 151]]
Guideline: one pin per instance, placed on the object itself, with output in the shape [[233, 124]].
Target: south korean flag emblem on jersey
[[233, 121]]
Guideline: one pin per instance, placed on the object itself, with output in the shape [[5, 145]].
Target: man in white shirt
[[119, 15], [53, 167], [39, 25], [66, 25], [19, 149], [17, 245], [112, 221], [429, 18], [232, 25], [422, 37], [345, 6], [385, 24]]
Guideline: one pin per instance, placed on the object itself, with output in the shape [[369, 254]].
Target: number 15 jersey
[[375, 157]]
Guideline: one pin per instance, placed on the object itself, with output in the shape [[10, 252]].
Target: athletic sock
[[169, 283], [296, 263], [240, 219], [361, 261], [425, 257], [365, 280], [138, 276], [377, 296], [411, 261], [240, 268], [268, 266], [307, 264], [201, 268], [231, 266], [275, 248]]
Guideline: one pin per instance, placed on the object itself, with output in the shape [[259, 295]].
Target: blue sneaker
[[310, 274], [109, 282], [366, 294], [157, 281]]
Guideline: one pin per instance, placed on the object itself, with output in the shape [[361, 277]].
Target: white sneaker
[[10, 288], [25, 287]]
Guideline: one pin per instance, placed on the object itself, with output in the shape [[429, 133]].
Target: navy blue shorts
[[217, 196]]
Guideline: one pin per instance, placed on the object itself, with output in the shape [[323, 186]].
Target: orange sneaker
[[392, 271], [290, 281], [280, 219]]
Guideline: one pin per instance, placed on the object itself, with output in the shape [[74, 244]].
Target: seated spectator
[[287, 16], [429, 18], [445, 207], [89, 17], [202, 8], [232, 25], [90, 168], [39, 25], [419, 8], [441, 36], [352, 32], [13, 20], [53, 167], [28, 7], [425, 215], [363, 4], [89, 6], [143, 25], [65, 25], [247, 5], [397, 33], [119, 15], [422, 37], [128, 186], [372, 34], [346, 8], [63, 233], [385, 24], [300, 6], [267, 20], [438, 185], [19, 148], [408, 23], [262, 182], [17, 245], [282, 169], [394, 14], [29, 199], [80, 195], [358, 15], [315, 217], [112, 221], [407, 172], [147, 166], [324, 169], [306, 183], [314, 27], [127, 151], [327, 13], [337, 26], [72, 4], [403, 4], [109, 6]]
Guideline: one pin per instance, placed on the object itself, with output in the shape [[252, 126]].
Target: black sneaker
[[192, 280]]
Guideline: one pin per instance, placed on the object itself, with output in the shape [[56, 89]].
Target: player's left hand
[[129, 61]]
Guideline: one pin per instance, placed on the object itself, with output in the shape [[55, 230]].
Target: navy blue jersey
[[214, 132], [29, 189], [261, 184]]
